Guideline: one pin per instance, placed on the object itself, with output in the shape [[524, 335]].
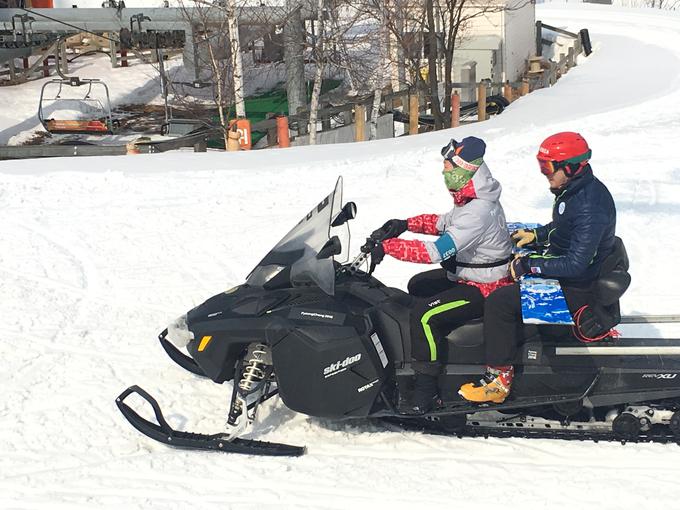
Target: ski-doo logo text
[[659, 376], [340, 366]]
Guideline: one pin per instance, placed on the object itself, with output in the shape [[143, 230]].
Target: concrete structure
[[500, 42], [347, 134]]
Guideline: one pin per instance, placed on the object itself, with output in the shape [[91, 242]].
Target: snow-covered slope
[[97, 256]]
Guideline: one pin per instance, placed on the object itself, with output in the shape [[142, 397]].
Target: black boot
[[425, 389]]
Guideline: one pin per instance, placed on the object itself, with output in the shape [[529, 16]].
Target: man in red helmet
[[577, 240]]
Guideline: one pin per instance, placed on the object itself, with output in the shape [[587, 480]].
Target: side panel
[[327, 371]]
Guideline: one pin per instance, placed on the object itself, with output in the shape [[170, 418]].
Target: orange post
[[507, 91], [455, 109], [232, 141], [245, 139], [359, 123], [413, 114], [524, 89], [244, 133], [131, 148], [282, 131], [481, 102]]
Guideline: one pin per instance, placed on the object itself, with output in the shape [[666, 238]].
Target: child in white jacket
[[474, 248]]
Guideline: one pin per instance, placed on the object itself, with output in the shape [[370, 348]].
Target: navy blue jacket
[[581, 233]]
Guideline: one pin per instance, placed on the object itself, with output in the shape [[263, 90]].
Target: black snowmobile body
[[335, 343]]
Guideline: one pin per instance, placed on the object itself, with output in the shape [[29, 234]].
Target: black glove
[[375, 249], [377, 254], [519, 267], [391, 228]]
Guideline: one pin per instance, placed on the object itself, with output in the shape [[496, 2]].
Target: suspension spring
[[253, 370]]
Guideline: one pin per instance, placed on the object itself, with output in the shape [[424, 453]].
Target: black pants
[[503, 327], [439, 306]]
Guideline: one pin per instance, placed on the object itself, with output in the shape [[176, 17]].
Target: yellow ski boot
[[494, 386]]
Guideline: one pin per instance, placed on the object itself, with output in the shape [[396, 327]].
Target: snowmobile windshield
[[299, 248]]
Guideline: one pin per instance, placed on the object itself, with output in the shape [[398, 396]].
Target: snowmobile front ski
[[164, 433]]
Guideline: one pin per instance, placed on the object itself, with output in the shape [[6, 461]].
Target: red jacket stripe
[[407, 250], [424, 224]]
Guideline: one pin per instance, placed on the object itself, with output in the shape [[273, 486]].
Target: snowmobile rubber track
[[652, 436], [164, 433], [657, 434]]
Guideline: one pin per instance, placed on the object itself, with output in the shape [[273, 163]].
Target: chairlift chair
[[101, 125]]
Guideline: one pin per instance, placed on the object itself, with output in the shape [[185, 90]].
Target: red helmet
[[564, 151]]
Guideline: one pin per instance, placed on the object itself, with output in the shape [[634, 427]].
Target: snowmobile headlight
[[263, 274], [178, 332]]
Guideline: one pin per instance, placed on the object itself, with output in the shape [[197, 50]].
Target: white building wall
[[520, 40], [517, 31], [490, 23]]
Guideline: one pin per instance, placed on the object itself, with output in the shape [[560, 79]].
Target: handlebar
[[364, 254]]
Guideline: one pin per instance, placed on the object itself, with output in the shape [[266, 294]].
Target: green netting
[[274, 101]]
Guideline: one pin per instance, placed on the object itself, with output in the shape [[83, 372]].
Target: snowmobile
[[322, 333]]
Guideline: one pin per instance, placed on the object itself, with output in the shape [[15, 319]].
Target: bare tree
[[454, 18], [379, 81], [430, 30], [319, 59], [336, 46], [235, 50], [218, 45]]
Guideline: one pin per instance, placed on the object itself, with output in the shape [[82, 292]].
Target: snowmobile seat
[[614, 277], [465, 344], [469, 334]]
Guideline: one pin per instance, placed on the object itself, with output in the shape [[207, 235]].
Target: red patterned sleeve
[[407, 250], [424, 224]]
